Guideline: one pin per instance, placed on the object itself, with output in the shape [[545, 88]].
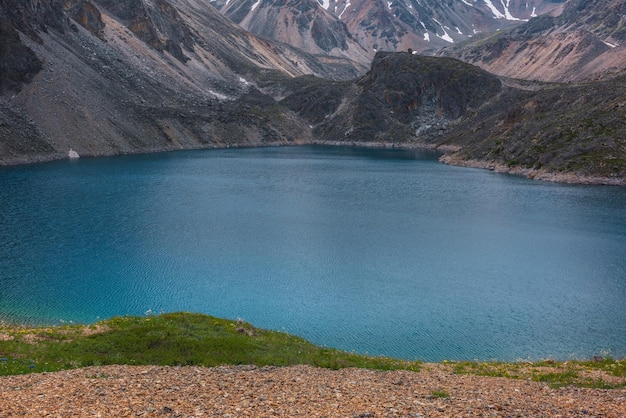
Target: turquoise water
[[375, 251]]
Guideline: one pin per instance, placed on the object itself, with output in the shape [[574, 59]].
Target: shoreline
[[533, 174], [9, 328], [447, 158]]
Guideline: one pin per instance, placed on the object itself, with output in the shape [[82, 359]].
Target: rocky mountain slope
[[106, 77], [301, 23], [587, 40], [428, 25], [379, 25], [569, 133]]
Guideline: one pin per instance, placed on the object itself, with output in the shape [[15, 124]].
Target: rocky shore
[[248, 391], [536, 174]]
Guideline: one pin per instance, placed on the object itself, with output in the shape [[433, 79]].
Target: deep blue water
[[374, 251]]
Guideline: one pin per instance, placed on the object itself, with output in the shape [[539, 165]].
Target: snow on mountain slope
[[300, 23], [586, 41], [390, 25], [430, 24]]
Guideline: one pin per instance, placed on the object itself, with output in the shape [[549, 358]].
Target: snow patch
[[427, 36], [495, 12], [324, 3], [445, 35], [610, 44], [255, 5], [458, 30], [464, 1], [219, 96], [389, 3], [344, 9], [507, 12], [72, 155], [243, 81], [498, 14], [534, 12]]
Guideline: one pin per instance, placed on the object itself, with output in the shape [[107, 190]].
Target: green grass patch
[[601, 373], [439, 393], [492, 369], [557, 379], [176, 339]]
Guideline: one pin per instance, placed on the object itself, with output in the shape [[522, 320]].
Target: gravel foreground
[[248, 391]]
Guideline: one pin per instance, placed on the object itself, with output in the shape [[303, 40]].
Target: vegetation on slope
[[174, 339], [184, 339], [577, 129]]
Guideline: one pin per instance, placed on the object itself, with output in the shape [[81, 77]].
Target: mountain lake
[[376, 251]]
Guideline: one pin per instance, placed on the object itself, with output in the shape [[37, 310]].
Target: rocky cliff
[[402, 97]]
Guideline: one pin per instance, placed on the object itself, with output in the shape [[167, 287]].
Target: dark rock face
[[160, 27], [409, 83], [86, 14], [34, 16], [404, 95], [18, 63], [417, 90], [20, 139]]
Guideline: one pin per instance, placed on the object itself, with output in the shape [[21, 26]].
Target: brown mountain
[[586, 41]]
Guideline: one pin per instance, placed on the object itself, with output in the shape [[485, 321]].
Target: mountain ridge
[[380, 25]]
